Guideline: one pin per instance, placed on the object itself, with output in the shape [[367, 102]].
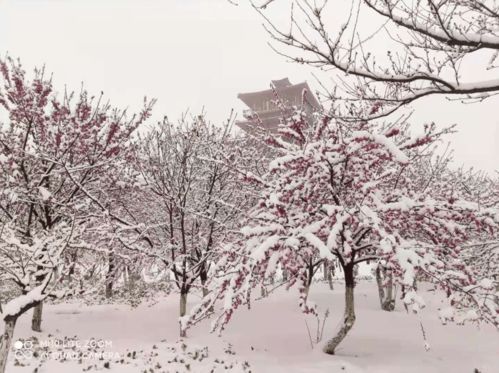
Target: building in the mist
[[262, 104]]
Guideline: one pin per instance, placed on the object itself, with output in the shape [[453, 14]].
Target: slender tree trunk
[[133, 278], [183, 310], [109, 289], [331, 276], [126, 276], [203, 277], [284, 275], [183, 304], [307, 290], [349, 315], [110, 275], [325, 271], [310, 277], [389, 303], [36, 321], [330, 281], [263, 291], [328, 274], [6, 341], [386, 298], [381, 290]]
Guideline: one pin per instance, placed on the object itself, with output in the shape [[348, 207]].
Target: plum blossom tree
[[482, 253], [346, 192], [194, 196], [54, 153]]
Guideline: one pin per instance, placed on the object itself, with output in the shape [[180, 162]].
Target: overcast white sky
[[189, 54]]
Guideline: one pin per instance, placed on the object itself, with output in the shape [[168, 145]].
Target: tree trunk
[[349, 315], [328, 274], [325, 271], [386, 299], [263, 291], [203, 277], [6, 341], [310, 277], [183, 310], [109, 289], [381, 290], [133, 278], [389, 303], [36, 321], [284, 275], [330, 278], [110, 275], [307, 290]]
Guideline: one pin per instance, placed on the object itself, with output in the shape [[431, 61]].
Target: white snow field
[[272, 337]]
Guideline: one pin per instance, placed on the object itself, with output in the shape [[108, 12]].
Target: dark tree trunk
[[328, 274], [6, 341], [379, 282], [36, 321], [133, 278], [109, 289], [331, 278], [203, 276], [284, 275], [110, 275], [310, 277], [263, 291], [325, 271], [386, 298], [349, 314]]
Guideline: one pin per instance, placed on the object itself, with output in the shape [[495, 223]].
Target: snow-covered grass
[[272, 337]]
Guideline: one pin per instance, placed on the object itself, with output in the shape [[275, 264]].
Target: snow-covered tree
[[193, 195], [346, 192], [393, 52], [55, 152]]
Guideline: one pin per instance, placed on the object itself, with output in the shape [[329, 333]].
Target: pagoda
[[262, 108]]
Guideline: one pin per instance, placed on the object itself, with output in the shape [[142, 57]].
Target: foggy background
[[192, 54]]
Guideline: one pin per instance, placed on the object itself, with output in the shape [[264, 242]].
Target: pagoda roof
[[281, 83], [282, 87]]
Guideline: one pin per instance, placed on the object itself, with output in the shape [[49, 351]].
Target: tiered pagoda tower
[[262, 105]]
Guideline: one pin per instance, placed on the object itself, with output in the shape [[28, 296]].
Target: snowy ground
[[272, 337]]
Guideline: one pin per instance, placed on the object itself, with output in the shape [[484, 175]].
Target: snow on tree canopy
[[348, 192]]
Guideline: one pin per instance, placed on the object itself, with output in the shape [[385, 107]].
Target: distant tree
[[193, 195]]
